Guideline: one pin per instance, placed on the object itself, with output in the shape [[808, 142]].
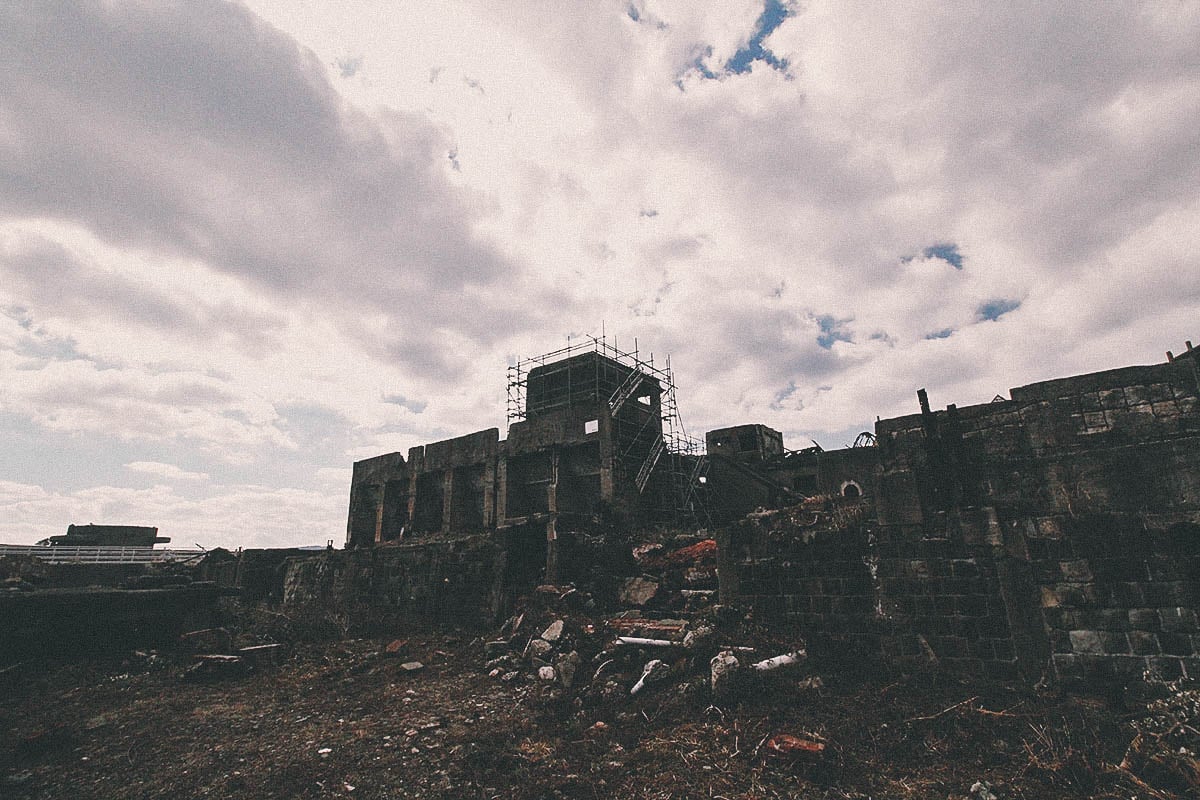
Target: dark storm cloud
[[193, 128]]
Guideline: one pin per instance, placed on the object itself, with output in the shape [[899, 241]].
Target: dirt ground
[[345, 719]]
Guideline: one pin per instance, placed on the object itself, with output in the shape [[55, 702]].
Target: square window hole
[[591, 426]]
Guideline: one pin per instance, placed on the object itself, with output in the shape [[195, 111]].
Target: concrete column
[[447, 499]]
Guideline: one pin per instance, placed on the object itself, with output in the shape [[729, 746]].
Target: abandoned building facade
[[1056, 530], [593, 435]]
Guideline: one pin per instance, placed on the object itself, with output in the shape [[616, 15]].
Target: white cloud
[[168, 472]]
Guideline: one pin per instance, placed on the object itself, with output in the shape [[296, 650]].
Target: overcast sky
[[245, 245]]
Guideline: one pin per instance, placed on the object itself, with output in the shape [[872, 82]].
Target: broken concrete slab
[[538, 648], [207, 640], [263, 656], [211, 667], [552, 633], [637, 591]]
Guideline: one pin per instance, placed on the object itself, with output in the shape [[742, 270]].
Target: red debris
[[784, 744]]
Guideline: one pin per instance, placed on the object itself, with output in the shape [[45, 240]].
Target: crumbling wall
[[449, 581], [80, 622], [1118, 597], [855, 590], [1094, 483], [1056, 530]]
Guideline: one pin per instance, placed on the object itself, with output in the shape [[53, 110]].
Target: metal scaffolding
[[673, 463]]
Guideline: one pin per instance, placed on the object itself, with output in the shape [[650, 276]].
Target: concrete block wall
[[1118, 597], [457, 581], [890, 593], [942, 598], [1058, 531]]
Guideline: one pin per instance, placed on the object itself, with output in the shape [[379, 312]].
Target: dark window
[[804, 483]]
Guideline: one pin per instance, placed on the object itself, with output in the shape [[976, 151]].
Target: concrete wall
[[1059, 529], [459, 580]]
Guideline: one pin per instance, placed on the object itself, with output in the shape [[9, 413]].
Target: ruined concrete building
[[593, 437], [1058, 529]]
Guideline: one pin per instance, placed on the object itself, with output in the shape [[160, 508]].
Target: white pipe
[[785, 660], [637, 641]]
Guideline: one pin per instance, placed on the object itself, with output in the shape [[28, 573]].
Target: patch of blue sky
[[831, 331], [993, 310], [947, 252], [942, 334], [783, 395], [773, 15]]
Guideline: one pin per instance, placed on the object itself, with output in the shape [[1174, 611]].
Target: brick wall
[[1118, 598]]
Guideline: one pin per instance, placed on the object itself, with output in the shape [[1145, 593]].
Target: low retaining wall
[[459, 581]]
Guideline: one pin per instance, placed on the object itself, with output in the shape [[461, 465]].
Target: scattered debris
[[552, 633], [208, 640], [216, 668], [785, 744], [982, 790], [723, 673], [637, 591], [785, 660], [654, 672]]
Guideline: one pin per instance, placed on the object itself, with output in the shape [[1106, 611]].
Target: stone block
[[1066, 667], [1144, 619], [1164, 668], [637, 591], [1114, 643], [1076, 571], [1083, 641], [1143, 643], [1113, 619], [1060, 641], [1178, 620], [1176, 644]]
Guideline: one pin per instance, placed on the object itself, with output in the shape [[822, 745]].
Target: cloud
[[168, 472], [282, 517], [197, 130]]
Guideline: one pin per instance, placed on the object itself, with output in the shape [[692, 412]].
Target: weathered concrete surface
[[83, 622], [1057, 530]]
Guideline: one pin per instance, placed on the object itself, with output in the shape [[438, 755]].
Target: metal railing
[[99, 555]]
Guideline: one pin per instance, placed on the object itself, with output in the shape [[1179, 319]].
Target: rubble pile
[[217, 655], [1165, 750], [668, 640]]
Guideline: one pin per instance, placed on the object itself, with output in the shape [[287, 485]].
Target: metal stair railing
[[624, 392], [643, 476]]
